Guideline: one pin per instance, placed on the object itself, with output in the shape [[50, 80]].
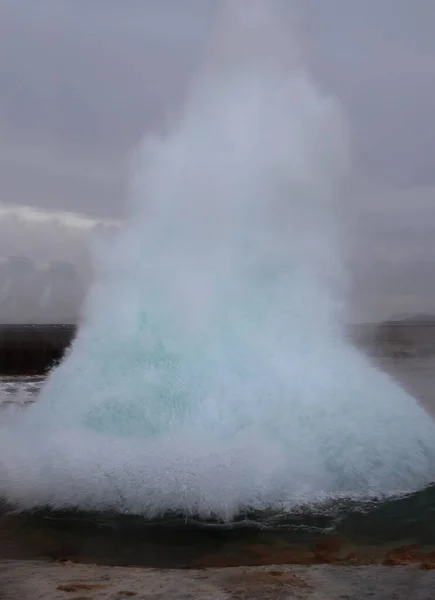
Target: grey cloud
[[92, 77], [391, 251], [89, 76], [50, 187], [43, 241], [88, 79], [379, 58], [51, 293], [81, 82], [50, 286]]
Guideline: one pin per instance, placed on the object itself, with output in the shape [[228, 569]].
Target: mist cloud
[[81, 82]]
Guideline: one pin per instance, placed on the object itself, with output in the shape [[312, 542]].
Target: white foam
[[211, 372]]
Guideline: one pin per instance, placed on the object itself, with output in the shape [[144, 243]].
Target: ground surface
[[33, 580]]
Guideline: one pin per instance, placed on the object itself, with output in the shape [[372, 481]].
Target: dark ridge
[[414, 338], [34, 349]]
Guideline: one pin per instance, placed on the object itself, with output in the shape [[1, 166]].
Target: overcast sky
[[82, 81]]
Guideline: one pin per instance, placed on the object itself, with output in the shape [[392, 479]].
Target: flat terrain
[[37, 580]]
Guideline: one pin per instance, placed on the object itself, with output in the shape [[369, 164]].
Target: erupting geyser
[[210, 372]]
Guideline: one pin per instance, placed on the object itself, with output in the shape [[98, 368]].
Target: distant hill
[[411, 319], [399, 336]]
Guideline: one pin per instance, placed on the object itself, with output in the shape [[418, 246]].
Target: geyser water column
[[210, 372]]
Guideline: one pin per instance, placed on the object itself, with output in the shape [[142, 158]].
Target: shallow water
[[336, 532]]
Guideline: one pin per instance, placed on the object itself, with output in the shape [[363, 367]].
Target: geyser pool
[[211, 372]]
